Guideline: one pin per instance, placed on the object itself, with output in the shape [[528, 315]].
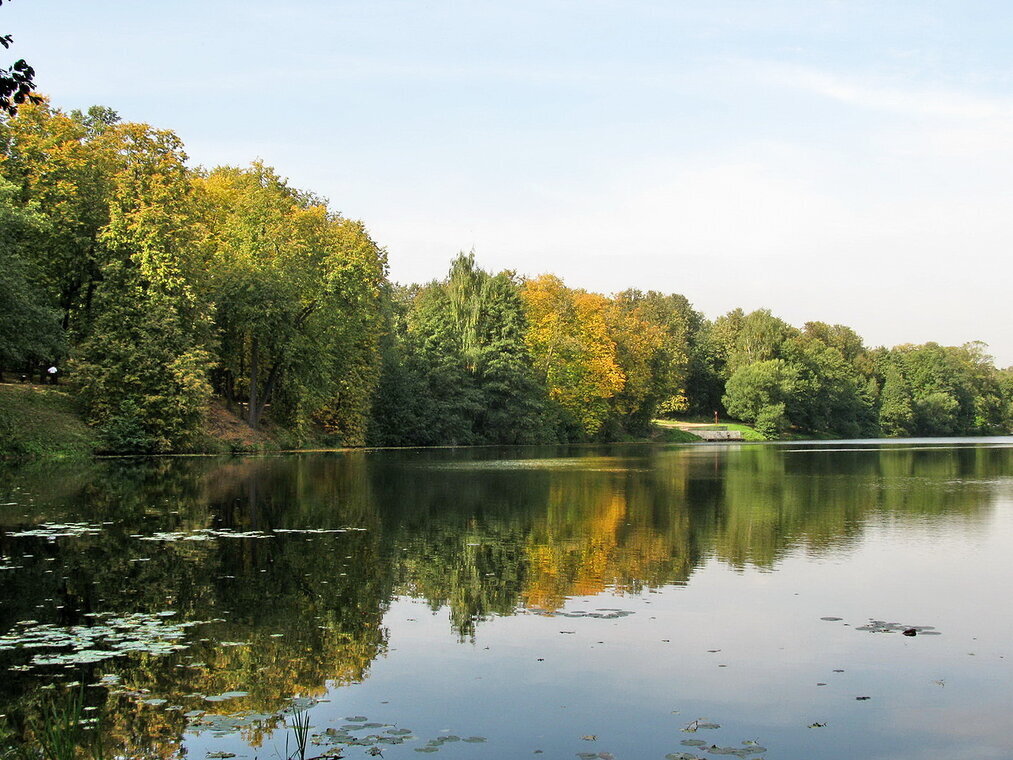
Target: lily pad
[[110, 636], [699, 723], [53, 531], [737, 751]]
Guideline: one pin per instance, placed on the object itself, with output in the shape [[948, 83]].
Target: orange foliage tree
[[568, 336]]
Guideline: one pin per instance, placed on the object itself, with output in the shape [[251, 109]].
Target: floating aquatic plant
[[882, 626], [209, 534], [112, 635], [316, 530], [203, 534], [699, 723], [743, 752], [602, 613], [53, 531]]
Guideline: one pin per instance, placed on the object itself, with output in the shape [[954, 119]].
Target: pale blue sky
[[844, 161]]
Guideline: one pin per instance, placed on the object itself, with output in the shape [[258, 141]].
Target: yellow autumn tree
[[600, 532], [639, 354], [568, 336]]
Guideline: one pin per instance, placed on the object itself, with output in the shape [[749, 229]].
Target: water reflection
[[331, 541]]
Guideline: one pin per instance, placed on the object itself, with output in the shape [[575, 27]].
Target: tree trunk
[[272, 376], [253, 413]]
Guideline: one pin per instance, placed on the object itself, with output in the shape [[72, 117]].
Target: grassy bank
[[689, 424], [45, 422], [663, 433], [42, 421]]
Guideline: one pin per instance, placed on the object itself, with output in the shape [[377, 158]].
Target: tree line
[[482, 359], [161, 289]]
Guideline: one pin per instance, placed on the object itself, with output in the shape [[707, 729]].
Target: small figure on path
[[715, 416], [52, 374]]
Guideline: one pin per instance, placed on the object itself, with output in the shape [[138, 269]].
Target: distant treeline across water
[[160, 291]]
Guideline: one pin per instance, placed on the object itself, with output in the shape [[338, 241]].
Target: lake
[[782, 601]]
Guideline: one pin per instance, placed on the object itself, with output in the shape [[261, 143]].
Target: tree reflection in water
[[482, 532]]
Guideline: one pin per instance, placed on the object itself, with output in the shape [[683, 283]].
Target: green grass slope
[[689, 424], [41, 421]]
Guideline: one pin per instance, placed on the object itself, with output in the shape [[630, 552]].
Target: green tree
[[942, 388], [435, 343], [841, 337], [938, 413], [723, 336], [29, 328], [991, 414], [401, 406], [760, 337], [896, 411], [457, 363], [705, 379], [143, 368], [515, 406], [670, 364], [64, 167], [772, 420], [760, 392], [829, 393], [297, 295]]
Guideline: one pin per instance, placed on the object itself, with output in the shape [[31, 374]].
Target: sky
[[850, 162]]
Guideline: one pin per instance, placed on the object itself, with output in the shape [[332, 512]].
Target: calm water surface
[[510, 603]]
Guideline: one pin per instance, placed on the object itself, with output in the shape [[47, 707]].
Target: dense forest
[[162, 291]]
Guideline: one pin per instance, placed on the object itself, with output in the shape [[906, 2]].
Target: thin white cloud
[[877, 96]]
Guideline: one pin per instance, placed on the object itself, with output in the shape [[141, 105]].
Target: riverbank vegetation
[[165, 294]]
